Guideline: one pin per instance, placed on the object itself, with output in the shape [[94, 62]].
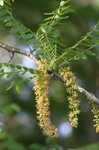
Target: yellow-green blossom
[[42, 102], [70, 83]]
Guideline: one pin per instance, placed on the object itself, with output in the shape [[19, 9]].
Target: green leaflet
[[10, 108], [19, 67]]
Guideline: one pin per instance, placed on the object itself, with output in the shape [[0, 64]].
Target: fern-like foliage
[[88, 45], [17, 70], [18, 67], [7, 19], [48, 34], [50, 47]]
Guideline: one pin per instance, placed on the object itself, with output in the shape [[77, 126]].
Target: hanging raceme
[[42, 102], [70, 83], [95, 111]]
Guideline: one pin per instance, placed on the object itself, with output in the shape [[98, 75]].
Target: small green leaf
[[15, 107], [18, 88], [10, 86], [10, 108]]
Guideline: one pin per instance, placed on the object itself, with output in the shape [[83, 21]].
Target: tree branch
[[13, 50], [18, 51], [91, 97]]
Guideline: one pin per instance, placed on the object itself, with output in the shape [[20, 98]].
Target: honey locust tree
[[52, 59]]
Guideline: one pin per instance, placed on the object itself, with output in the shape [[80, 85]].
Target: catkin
[[42, 102], [70, 83], [95, 111]]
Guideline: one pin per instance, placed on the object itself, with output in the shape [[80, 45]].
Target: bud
[[95, 111], [62, 3], [57, 16], [1, 2], [43, 30]]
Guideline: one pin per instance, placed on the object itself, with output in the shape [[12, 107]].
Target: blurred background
[[21, 123]]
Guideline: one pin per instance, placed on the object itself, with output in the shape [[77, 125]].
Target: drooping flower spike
[[42, 102], [70, 83]]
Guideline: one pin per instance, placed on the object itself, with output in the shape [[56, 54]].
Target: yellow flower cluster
[[95, 111], [42, 102], [70, 82]]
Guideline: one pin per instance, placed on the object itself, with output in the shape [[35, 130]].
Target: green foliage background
[[24, 135]]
